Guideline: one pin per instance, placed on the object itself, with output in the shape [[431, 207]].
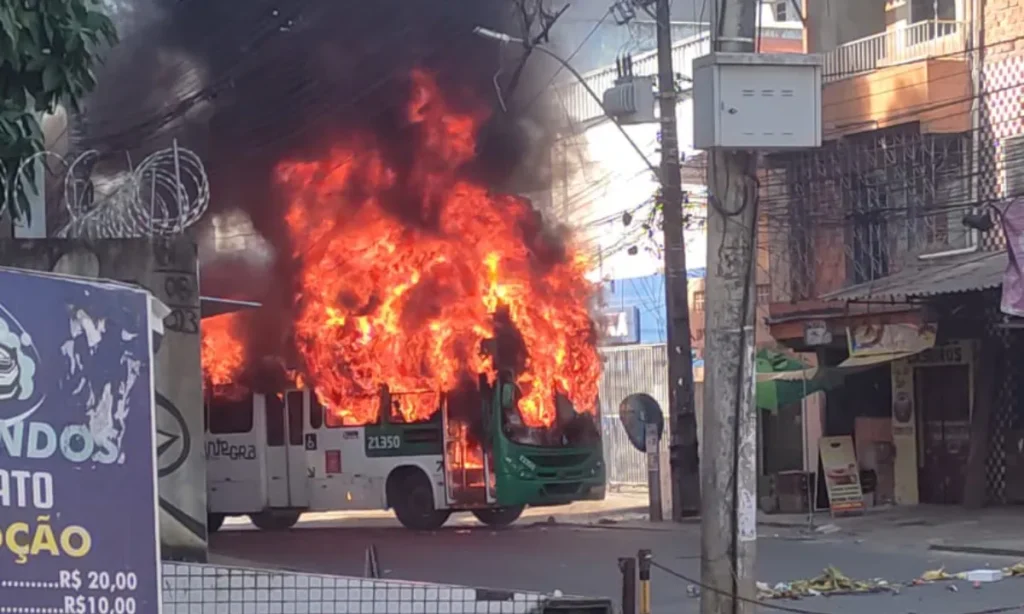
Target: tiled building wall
[[1002, 108], [215, 589]]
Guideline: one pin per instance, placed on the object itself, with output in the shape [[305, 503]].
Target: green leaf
[[53, 77], [48, 49]]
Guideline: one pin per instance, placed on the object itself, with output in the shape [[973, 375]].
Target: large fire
[[403, 294], [223, 353]]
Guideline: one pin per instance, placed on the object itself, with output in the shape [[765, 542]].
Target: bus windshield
[[570, 429]]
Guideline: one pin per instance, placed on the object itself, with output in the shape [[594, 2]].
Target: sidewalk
[[996, 531]]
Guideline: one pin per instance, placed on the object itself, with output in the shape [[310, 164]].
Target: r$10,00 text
[[99, 605]]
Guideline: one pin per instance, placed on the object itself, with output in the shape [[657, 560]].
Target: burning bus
[[273, 457], [434, 350]]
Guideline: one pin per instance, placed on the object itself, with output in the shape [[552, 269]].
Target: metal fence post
[[627, 565], [644, 557]]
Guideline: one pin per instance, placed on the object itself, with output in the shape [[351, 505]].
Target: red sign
[[332, 461]]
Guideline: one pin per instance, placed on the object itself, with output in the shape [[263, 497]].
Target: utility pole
[[683, 457], [729, 478]]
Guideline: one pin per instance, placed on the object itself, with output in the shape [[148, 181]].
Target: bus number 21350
[[383, 442]]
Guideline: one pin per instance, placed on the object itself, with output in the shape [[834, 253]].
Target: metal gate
[[629, 370]]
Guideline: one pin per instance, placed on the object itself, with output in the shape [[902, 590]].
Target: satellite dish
[[637, 411]]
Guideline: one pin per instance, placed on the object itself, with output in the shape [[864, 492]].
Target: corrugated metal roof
[[956, 274]]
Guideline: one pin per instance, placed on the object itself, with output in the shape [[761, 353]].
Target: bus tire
[[499, 517], [413, 501], [277, 520], [214, 522]]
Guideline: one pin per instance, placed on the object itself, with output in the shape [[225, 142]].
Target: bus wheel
[[276, 520], [214, 522], [414, 503], [499, 516]]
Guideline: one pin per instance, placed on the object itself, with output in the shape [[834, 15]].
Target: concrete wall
[[170, 271]]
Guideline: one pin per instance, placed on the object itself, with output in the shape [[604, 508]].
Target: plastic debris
[[692, 591], [833, 582], [984, 575]]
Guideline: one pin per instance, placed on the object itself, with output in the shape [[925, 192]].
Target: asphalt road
[[582, 561]]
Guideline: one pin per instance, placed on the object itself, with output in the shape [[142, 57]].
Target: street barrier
[[190, 588]]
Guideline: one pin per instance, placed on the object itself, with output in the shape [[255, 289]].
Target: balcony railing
[[925, 39], [581, 107]]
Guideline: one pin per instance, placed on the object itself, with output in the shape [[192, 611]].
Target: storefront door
[[944, 417]]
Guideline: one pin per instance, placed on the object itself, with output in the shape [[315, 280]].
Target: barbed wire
[[167, 193]]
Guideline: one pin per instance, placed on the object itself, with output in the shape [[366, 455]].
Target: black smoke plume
[[249, 83]]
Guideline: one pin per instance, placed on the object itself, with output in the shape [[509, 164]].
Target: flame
[[403, 294], [222, 351]]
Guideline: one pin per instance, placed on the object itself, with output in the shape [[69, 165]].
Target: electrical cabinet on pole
[[742, 102]]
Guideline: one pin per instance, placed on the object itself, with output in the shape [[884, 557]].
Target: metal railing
[[925, 39], [581, 107]]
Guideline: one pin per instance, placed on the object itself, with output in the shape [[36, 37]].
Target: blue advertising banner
[[78, 516]]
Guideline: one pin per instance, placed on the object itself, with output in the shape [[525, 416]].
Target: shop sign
[[842, 475], [78, 496], [957, 353], [875, 339], [619, 327], [817, 333]]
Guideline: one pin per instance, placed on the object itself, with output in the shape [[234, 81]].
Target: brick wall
[[1003, 21]]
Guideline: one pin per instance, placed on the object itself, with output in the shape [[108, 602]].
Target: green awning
[[783, 380]]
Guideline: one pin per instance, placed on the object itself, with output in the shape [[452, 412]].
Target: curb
[[976, 550], [593, 520]]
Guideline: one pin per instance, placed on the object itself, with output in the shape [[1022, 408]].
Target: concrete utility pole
[[683, 457], [729, 478]]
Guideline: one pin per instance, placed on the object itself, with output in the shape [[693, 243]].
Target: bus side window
[[275, 421], [231, 417], [316, 412], [295, 399]]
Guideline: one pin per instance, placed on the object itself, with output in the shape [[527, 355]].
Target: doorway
[[943, 397]]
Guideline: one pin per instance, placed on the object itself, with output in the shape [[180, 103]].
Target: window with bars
[[1013, 166], [764, 294], [698, 301]]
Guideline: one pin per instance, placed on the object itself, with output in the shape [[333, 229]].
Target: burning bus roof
[[210, 306]]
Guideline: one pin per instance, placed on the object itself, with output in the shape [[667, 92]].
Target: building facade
[[887, 232]]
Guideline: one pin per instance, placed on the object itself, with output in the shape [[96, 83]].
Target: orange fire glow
[[222, 350], [386, 300]]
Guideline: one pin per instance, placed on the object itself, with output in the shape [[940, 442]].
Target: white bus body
[[272, 459]]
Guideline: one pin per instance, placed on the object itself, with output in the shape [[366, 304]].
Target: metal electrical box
[[757, 101], [631, 100]]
